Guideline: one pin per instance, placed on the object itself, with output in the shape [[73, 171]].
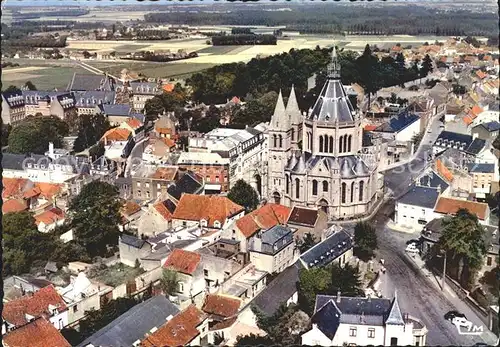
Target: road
[[135, 156]]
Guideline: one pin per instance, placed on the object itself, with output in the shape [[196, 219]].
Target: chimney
[[51, 149], [338, 296], [439, 189]]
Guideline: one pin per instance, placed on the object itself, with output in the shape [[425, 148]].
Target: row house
[[142, 92], [213, 167], [150, 182], [38, 333], [59, 104], [117, 114], [13, 107], [86, 101]]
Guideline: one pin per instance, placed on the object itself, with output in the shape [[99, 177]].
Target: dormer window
[[217, 224], [203, 223]]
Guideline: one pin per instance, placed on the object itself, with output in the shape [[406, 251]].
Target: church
[[317, 159]]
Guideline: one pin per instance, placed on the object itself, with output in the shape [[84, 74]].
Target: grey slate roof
[[115, 109], [481, 168], [134, 324], [332, 104], [94, 97], [361, 310], [282, 288], [81, 82], [189, 183], [476, 146], [14, 99], [327, 250], [350, 165], [145, 88], [431, 179], [420, 196], [465, 143], [327, 319], [398, 123], [11, 161], [273, 240], [395, 317], [132, 241]]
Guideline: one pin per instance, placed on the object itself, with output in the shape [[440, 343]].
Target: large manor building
[[317, 159]]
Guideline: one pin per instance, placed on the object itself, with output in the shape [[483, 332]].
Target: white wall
[[361, 338], [408, 215], [60, 320], [407, 133]]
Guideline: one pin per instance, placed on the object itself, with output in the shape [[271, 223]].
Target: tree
[[253, 340], [30, 85], [91, 127], [243, 194], [6, 129], [345, 280], [95, 216], [417, 138], [426, 66], [311, 283], [463, 240], [12, 89], [365, 240], [496, 143], [169, 282], [33, 134], [307, 242]]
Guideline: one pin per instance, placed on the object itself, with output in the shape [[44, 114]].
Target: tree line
[[243, 39]]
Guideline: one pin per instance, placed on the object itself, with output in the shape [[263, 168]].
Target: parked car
[[462, 322], [412, 248], [452, 314]]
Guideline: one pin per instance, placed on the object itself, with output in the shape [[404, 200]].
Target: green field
[[129, 48], [220, 49]]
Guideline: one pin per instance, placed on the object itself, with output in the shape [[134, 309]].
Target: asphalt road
[[135, 155]]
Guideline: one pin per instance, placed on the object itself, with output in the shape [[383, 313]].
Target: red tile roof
[[370, 127], [468, 120], [183, 261], [443, 171], [165, 173], [130, 207], [481, 74], [14, 205], [236, 100], [39, 333], [48, 217], [451, 206], [13, 187], [116, 134], [169, 142], [168, 87], [178, 331], [36, 305], [221, 305], [163, 210], [210, 208], [265, 217], [134, 123], [476, 110]]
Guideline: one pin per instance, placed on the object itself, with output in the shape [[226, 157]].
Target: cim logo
[[470, 329]]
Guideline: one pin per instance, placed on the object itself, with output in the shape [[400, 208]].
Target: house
[[149, 182], [82, 295], [337, 247], [142, 92], [308, 220], [486, 131], [14, 205], [187, 328], [158, 150], [208, 211], [157, 218], [449, 206], [15, 287], [86, 101], [273, 250], [213, 167], [402, 127], [45, 302], [465, 143], [131, 212], [199, 273], [132, 326], [48, 220], [38, 333], [116, 135], [264, 217], [132, 249], [86, 82], [163, 246], [188, 183], [118, 113], [222, 311], [482, 177], [165, 127], [13, 108], [432, 232], [362, 321]]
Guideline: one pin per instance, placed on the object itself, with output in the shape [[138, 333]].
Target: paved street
[[135, 155]]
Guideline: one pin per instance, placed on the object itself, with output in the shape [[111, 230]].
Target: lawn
[[117, 274], [218, 49]]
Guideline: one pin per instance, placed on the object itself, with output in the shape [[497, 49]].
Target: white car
[[461, 322], [411, 248]]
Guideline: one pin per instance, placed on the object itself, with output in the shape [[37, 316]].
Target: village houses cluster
[[309, 169]]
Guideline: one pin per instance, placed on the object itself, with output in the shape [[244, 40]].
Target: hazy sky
[[90, 2]]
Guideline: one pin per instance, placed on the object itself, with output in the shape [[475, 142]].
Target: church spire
[[279, 118], [334, 66], [292, 108]]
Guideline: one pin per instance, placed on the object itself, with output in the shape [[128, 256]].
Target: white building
[[246, 149], [359, 321]]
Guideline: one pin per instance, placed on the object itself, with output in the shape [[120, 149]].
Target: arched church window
[[340, 145], [325, 186], [352, 192], [315, 187], [297, 188], [287, 184], [349, 143], [275, 140], [331, 144], [344, 145], [293, 134], [321, 144], [343, 193], [281, 141], [361, 187]]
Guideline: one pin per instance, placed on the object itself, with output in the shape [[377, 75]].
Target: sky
[[12, 3]]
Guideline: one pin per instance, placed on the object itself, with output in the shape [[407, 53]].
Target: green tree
[[243, 194], [11, 89], [30, 85], [307, 242], [463, 239], [345, 280], [311, 283], [91, 127], [253, 340], [496, 143], [426, 66], [169, 282], [6, 129], [365, 241], [417, 138], [33, 134], [95, 216]]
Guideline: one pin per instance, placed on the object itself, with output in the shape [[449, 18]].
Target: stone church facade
[[317, 159]]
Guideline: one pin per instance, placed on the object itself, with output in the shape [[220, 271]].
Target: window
[[344, 187], [352, 331], [315, 187], [394, 341], [138, 184], [184, 223], [321, 143], [287, 184], [349, 143], [352, 192], [488, 261], [139, 193], [281, 141], [340, 144], [361, 186], [205, 272], [75, 308], [297, 188], [275, 140], [331, 145], [226, 274], [147, 185], [293, 134], [216, 178], [181, 287], [371, 333]]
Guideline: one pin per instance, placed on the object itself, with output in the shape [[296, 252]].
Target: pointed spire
[[292, 108], [395, 316], [334, 66], [279, 119]]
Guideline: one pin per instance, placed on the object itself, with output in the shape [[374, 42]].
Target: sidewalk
[[401, 228], [488, 337]]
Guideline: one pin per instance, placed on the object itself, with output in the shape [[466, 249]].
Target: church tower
[[279, 145], [293, 111]]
